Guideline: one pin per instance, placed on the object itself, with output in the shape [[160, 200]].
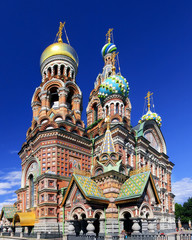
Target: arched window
[[62, 70], [107, 110], [32, 190], [55, 70], [97, 224], [95, 112], [127, 223], [68, 72], [117, 107], [72, 75], [49, 72], [54, 98], [112, 109], [69, 99]]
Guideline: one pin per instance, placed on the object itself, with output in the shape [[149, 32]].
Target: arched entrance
[[24, 219], [77, 224], [97, 224], [127, 225], [83, 223]]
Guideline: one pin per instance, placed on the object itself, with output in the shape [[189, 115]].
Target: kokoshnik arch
[[108, 176]]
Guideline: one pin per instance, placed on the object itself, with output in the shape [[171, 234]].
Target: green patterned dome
[[116, 84], [149, 116]]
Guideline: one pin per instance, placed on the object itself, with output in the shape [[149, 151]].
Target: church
[[104, 178]]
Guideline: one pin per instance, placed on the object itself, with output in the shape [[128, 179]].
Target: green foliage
[[184, 212], [94, 124]]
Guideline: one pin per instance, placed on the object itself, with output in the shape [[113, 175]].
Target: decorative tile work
[[8, 212], [89, 187], [108, 146], [134, 186]]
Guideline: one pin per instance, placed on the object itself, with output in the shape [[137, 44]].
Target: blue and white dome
[[116, 84], [108, 48], [149, 116]]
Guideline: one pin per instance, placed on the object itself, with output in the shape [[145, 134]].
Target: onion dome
[[151, 115], [116, 84], [59, 48], [108, 48]]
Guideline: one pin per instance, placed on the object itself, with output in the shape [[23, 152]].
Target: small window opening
[[72, 75], [62, 70], [49, 72], [69, 99], [117, 108], [55, 70], [68, 72], [107, 110], [95, 109], [54, 98]]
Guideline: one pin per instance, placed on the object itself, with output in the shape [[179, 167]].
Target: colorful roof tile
[[89, 187], [134, 186], [8, 212]]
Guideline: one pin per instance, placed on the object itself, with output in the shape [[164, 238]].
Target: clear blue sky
[[154, 40]]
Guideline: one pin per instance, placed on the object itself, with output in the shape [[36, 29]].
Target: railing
[[81, 237]]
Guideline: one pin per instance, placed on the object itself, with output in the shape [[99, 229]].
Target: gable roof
[[8, 212], [88, 187], [134, 187]]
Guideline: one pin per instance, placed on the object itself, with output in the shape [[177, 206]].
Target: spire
[[108, 35], [149, 94], [108, 47], [113, 62], [59, 34], [150, 115], [108, 146]]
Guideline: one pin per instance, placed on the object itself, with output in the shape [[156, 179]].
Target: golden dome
[[59, 48]]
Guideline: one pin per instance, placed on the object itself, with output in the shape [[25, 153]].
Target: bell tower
[[56, 143], [58, 97]]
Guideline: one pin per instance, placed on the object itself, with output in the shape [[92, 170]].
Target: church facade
[[106, 177]]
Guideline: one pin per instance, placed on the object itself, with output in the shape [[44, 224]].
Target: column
[[151, 226], [71, 228], [136, 227], [90, 226]]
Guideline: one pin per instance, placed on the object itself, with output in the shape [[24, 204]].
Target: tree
[[184, 212]]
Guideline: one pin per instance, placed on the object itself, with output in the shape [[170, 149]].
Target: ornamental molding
[[60, 60], [53, 80], [111, 97]]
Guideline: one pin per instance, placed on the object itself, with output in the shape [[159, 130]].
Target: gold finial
[[149, 94], [59, 34], [113, 62], [108, 35], [107, 120]]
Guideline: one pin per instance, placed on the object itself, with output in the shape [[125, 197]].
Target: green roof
[[8, 212], [139, 129], [89, 187], [134, 186]]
